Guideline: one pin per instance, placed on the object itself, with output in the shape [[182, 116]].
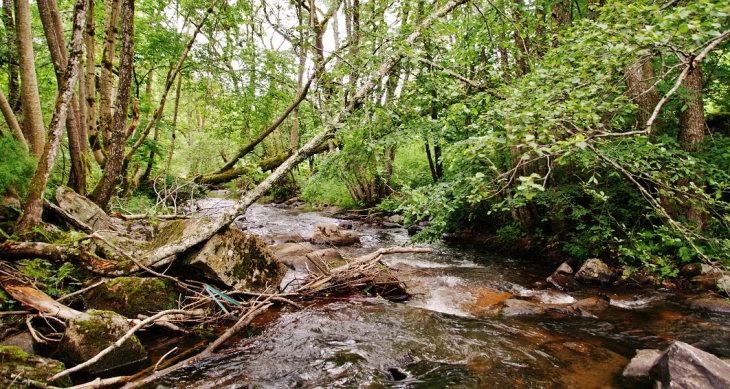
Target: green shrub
[[16, 167]]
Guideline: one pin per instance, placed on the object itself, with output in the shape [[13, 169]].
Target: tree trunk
[[112, 172], [106, 82], [521, 36], [13, 84], [12, 120], [34, 200], [53, 29], [640, 87], [92, 128], [690, 137], [32, 115], [174, 124], [561, 17]]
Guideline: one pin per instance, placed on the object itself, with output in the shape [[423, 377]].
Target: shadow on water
[[446, 335]]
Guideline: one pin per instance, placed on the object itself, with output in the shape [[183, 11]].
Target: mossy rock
[[234, 259], [83, 209], [131, 296], [15, 362], [89, 333]]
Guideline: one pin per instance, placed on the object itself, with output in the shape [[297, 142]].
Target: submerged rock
[[591, 305], [83, 209], [328, 233], [131, 296], [595, 271], [16, 366], [328, 258], [89, 333], [684, 366], [563, 282], [515, 307], [709, 304], [637, 371], [235, 259]]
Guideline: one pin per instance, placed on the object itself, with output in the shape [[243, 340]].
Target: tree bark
[[690, 137], [13, 84], [12, 120], [34, 200], [112, 172], [174, 124], [640, 87], [92, 128], [521, 37], [205, 232], [32, 115], [106, 82], [53, 30]]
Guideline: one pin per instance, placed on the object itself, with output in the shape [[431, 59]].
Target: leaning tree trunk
[[34, 200], [207, 231], [12, 120], [32, 115], [92, 129], [53, 29], [107, 185]]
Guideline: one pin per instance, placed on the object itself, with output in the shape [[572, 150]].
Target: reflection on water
[[447, 334]]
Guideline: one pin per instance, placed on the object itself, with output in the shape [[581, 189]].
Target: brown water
[[444, 336]]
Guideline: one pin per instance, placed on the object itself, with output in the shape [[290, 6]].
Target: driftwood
[[34, 298], [140, 216], [361, 272], [11, 250]]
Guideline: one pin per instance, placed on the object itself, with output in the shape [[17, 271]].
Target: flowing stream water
[[445, 336]]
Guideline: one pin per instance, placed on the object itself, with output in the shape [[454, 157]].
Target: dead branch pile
[[367, 272]]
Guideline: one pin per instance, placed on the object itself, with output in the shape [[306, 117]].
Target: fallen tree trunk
[[13, 251], [206, 232], [272, 163], [33, 298]]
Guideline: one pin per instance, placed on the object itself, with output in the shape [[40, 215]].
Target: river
[[445, 336]]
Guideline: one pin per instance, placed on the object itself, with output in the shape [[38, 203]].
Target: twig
[[88, 288], [13, 313], [163, 358], [98, 383], [118, 343], [32, 331]]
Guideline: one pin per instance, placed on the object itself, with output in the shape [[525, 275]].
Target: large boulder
[[684, 366], [131, 296], [595, 271], [83, 209], [330, 234], [89, 333], [17, 366], [235, 259]]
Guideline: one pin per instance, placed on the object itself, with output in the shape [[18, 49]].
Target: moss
[[171, 231], [87, 334], [14, 361], [130, 296]]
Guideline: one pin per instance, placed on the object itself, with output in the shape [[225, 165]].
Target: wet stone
[[709, 304], [563, 282], [514, 307], [328, 233], [638, 368], [684, 366]]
